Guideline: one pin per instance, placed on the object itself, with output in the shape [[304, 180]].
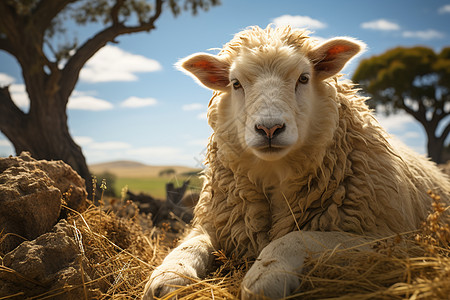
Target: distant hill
[[118, 164], [132, 169]]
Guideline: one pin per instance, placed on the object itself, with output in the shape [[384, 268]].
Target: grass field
[[146, 179], [155, 186]]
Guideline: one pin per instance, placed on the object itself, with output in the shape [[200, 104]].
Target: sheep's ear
[[211, 71], [331, 56]]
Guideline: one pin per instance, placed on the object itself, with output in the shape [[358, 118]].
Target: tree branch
[[416, 114], [8, 18], [10, 114], [115, 11], [73, 67], [158, 11], [438, 114], [46, 11], [445, 133]]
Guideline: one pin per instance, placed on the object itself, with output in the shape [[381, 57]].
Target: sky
[[131, 103]]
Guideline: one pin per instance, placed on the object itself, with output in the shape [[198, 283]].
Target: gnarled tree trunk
[[43, 132], [435, 147]]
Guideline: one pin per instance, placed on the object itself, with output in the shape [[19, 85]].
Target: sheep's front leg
[[190, 260], [275, 272]]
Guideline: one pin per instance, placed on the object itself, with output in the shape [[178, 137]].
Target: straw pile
[[122, 252]]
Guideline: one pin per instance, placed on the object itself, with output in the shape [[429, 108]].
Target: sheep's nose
[[270, 133]]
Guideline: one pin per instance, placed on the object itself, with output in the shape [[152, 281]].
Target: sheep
[[297, 163]]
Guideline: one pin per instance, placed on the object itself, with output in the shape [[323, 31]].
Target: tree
[[416, 80], [167, 172], [50, 73]]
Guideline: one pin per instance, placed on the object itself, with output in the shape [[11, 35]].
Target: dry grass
[[120, 253]]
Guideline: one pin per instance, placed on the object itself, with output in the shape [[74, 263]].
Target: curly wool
[[350, 177]]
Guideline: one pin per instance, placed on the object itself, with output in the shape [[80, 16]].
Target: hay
[[120, 254]]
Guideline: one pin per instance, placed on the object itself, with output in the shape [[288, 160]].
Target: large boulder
[[62, 176], [53, 264], [31, 194]]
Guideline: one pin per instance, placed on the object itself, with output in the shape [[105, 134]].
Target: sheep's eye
[[236, 84], [303, 79]]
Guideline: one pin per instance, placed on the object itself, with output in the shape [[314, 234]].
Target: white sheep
[[297, 163]]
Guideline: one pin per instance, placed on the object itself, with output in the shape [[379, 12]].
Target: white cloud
[[444, 9], [19, 95], [114, 64], [429, 34], [193, 106], [380, 24], [411, 135], [78, 100], [109, 145], [299, 21], [88, 103], [102, 150], [134, 102], [403, 127], [161, 155], [198, 142], [157, 155], [202, 116], [76, 93], [395, 123], [5, 79], [157, 151], [5, 143], [6, 148], [83, 140]]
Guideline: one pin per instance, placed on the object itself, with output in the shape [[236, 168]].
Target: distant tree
[[50, 71], [167, 172], [416, 80]]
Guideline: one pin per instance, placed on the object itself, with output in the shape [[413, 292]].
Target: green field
[[154, 186], [141, 178]]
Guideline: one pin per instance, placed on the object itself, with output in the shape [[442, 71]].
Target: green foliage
[[416, 80], [192, 5], [130, 13], [167, 172], [86, 11], [23, 7], [416, 74]]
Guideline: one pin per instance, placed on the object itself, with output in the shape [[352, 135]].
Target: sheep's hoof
[[163, 283], [268, 280]]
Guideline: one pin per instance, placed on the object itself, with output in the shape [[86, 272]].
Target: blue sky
[[132, 104]]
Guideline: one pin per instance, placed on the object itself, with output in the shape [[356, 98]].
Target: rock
[[30, 197], [63, 176], [30, 205], [50, 264]]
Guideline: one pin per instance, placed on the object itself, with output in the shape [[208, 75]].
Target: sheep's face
[[269, 91]]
